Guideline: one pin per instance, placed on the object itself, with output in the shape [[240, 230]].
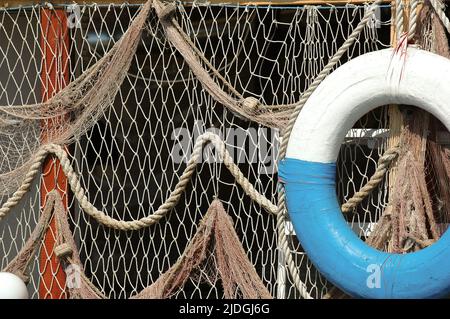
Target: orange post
[[54, 76]]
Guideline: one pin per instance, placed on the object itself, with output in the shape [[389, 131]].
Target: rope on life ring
[[309, 172]]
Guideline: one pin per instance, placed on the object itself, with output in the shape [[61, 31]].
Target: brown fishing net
[[410, 222], [26, 130], [71, 112], [215, 246], [217, 239], [418, 205], [250, 108], [420, 200], [77, 107]]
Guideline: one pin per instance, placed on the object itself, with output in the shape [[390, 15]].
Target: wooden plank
[[16, 3], [55, 76]]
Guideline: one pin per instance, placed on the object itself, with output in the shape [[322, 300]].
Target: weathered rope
[[200, 55], [412, 27], [438, 7], [254, 104], [323, 74], [250, 103], [163, 210], [382, 167], [202, 140], [281, 223], [399, 20]]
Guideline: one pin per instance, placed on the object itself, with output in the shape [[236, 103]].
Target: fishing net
[[215, 245], [416, 214], [134, 96]]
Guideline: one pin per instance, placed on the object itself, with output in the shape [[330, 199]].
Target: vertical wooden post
[[54, 76]]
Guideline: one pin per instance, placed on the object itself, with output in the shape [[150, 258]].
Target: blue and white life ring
[[308, 172]]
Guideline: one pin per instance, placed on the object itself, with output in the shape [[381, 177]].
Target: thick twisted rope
[[399, 20], [166, 15], [323, 74], [383, 165], [281, 223], [438, 7], [412, 19], [181, 186], [163, 210]]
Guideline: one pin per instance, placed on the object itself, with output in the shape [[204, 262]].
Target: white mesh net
[[132, 158]]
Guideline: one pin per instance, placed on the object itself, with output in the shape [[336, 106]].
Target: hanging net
[[122, 125]]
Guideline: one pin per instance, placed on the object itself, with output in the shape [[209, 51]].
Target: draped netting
[[140, 96], [127, 161], [215, 244], [417, 212], [70, 113]]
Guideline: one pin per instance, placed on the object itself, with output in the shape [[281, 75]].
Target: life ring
[[309, 170]]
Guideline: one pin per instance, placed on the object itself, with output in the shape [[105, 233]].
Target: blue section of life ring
[[342, 256]]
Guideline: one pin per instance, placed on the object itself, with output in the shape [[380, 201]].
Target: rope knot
[[63, 250], [250, 103]]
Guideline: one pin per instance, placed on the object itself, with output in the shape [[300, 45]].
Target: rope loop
[[63, 250]]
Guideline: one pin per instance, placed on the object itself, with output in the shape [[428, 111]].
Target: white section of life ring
[[361, 85]]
